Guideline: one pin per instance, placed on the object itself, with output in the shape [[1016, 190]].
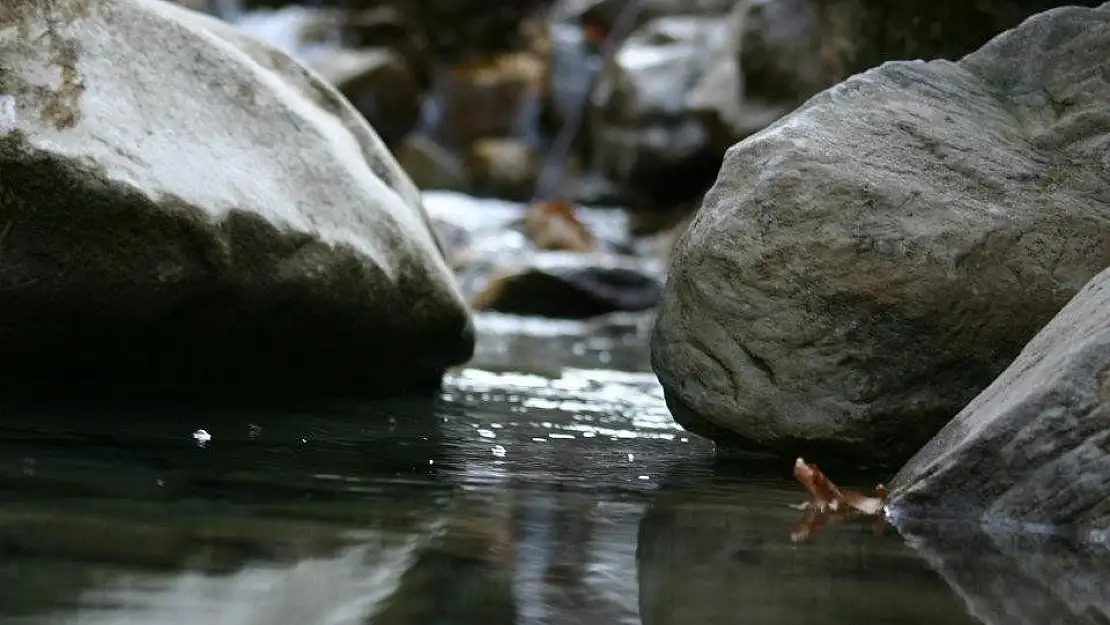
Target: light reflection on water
[[562, 494]]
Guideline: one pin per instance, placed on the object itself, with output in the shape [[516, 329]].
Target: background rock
[[643, 132], [867, 265], [210, 217], [682, 89], [572, 286], [1034, 446], [858, 35], [379, 83], [432, 166], [503, 168]]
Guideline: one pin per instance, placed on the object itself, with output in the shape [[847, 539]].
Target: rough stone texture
[[183, 207], [867, 265], [1034, 446], [857, 35]]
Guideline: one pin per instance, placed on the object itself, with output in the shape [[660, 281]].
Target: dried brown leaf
[[829, 505], [556, 226]]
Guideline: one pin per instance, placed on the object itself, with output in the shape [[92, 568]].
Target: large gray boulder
[[1034, 446], [185, 207], [865, 266]]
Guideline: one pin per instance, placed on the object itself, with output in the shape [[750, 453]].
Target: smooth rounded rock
[[865, 266], [185, 208]]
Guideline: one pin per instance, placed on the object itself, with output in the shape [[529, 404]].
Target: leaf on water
[[822, 492], [829, 505], [555, 226], [867, 505]]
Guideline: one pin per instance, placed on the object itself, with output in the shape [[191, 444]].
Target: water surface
[[561, 493]]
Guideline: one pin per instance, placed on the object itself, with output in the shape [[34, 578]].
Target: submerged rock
[[203, 215], [573, 286], [867, 265], [1034, 446]]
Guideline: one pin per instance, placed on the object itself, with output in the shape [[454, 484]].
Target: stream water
[[545, 484]]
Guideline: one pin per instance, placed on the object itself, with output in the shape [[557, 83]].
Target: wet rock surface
[[867, 265], [164, 234]]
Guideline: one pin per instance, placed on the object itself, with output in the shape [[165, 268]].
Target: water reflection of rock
[[1018, 579], [723, 555], [555, 475], [117, 511]]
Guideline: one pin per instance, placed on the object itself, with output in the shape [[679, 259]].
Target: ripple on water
[[591, 428]]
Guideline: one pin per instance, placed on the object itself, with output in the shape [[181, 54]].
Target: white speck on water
[[496, 426], [556, 435], [684, 439], [498, 451], [161, 483], [487, 433], [431, 462], [202, 437], [631, 457], [645, 477], [539, 439], [304, 441], [546, 424], [589, 434]]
